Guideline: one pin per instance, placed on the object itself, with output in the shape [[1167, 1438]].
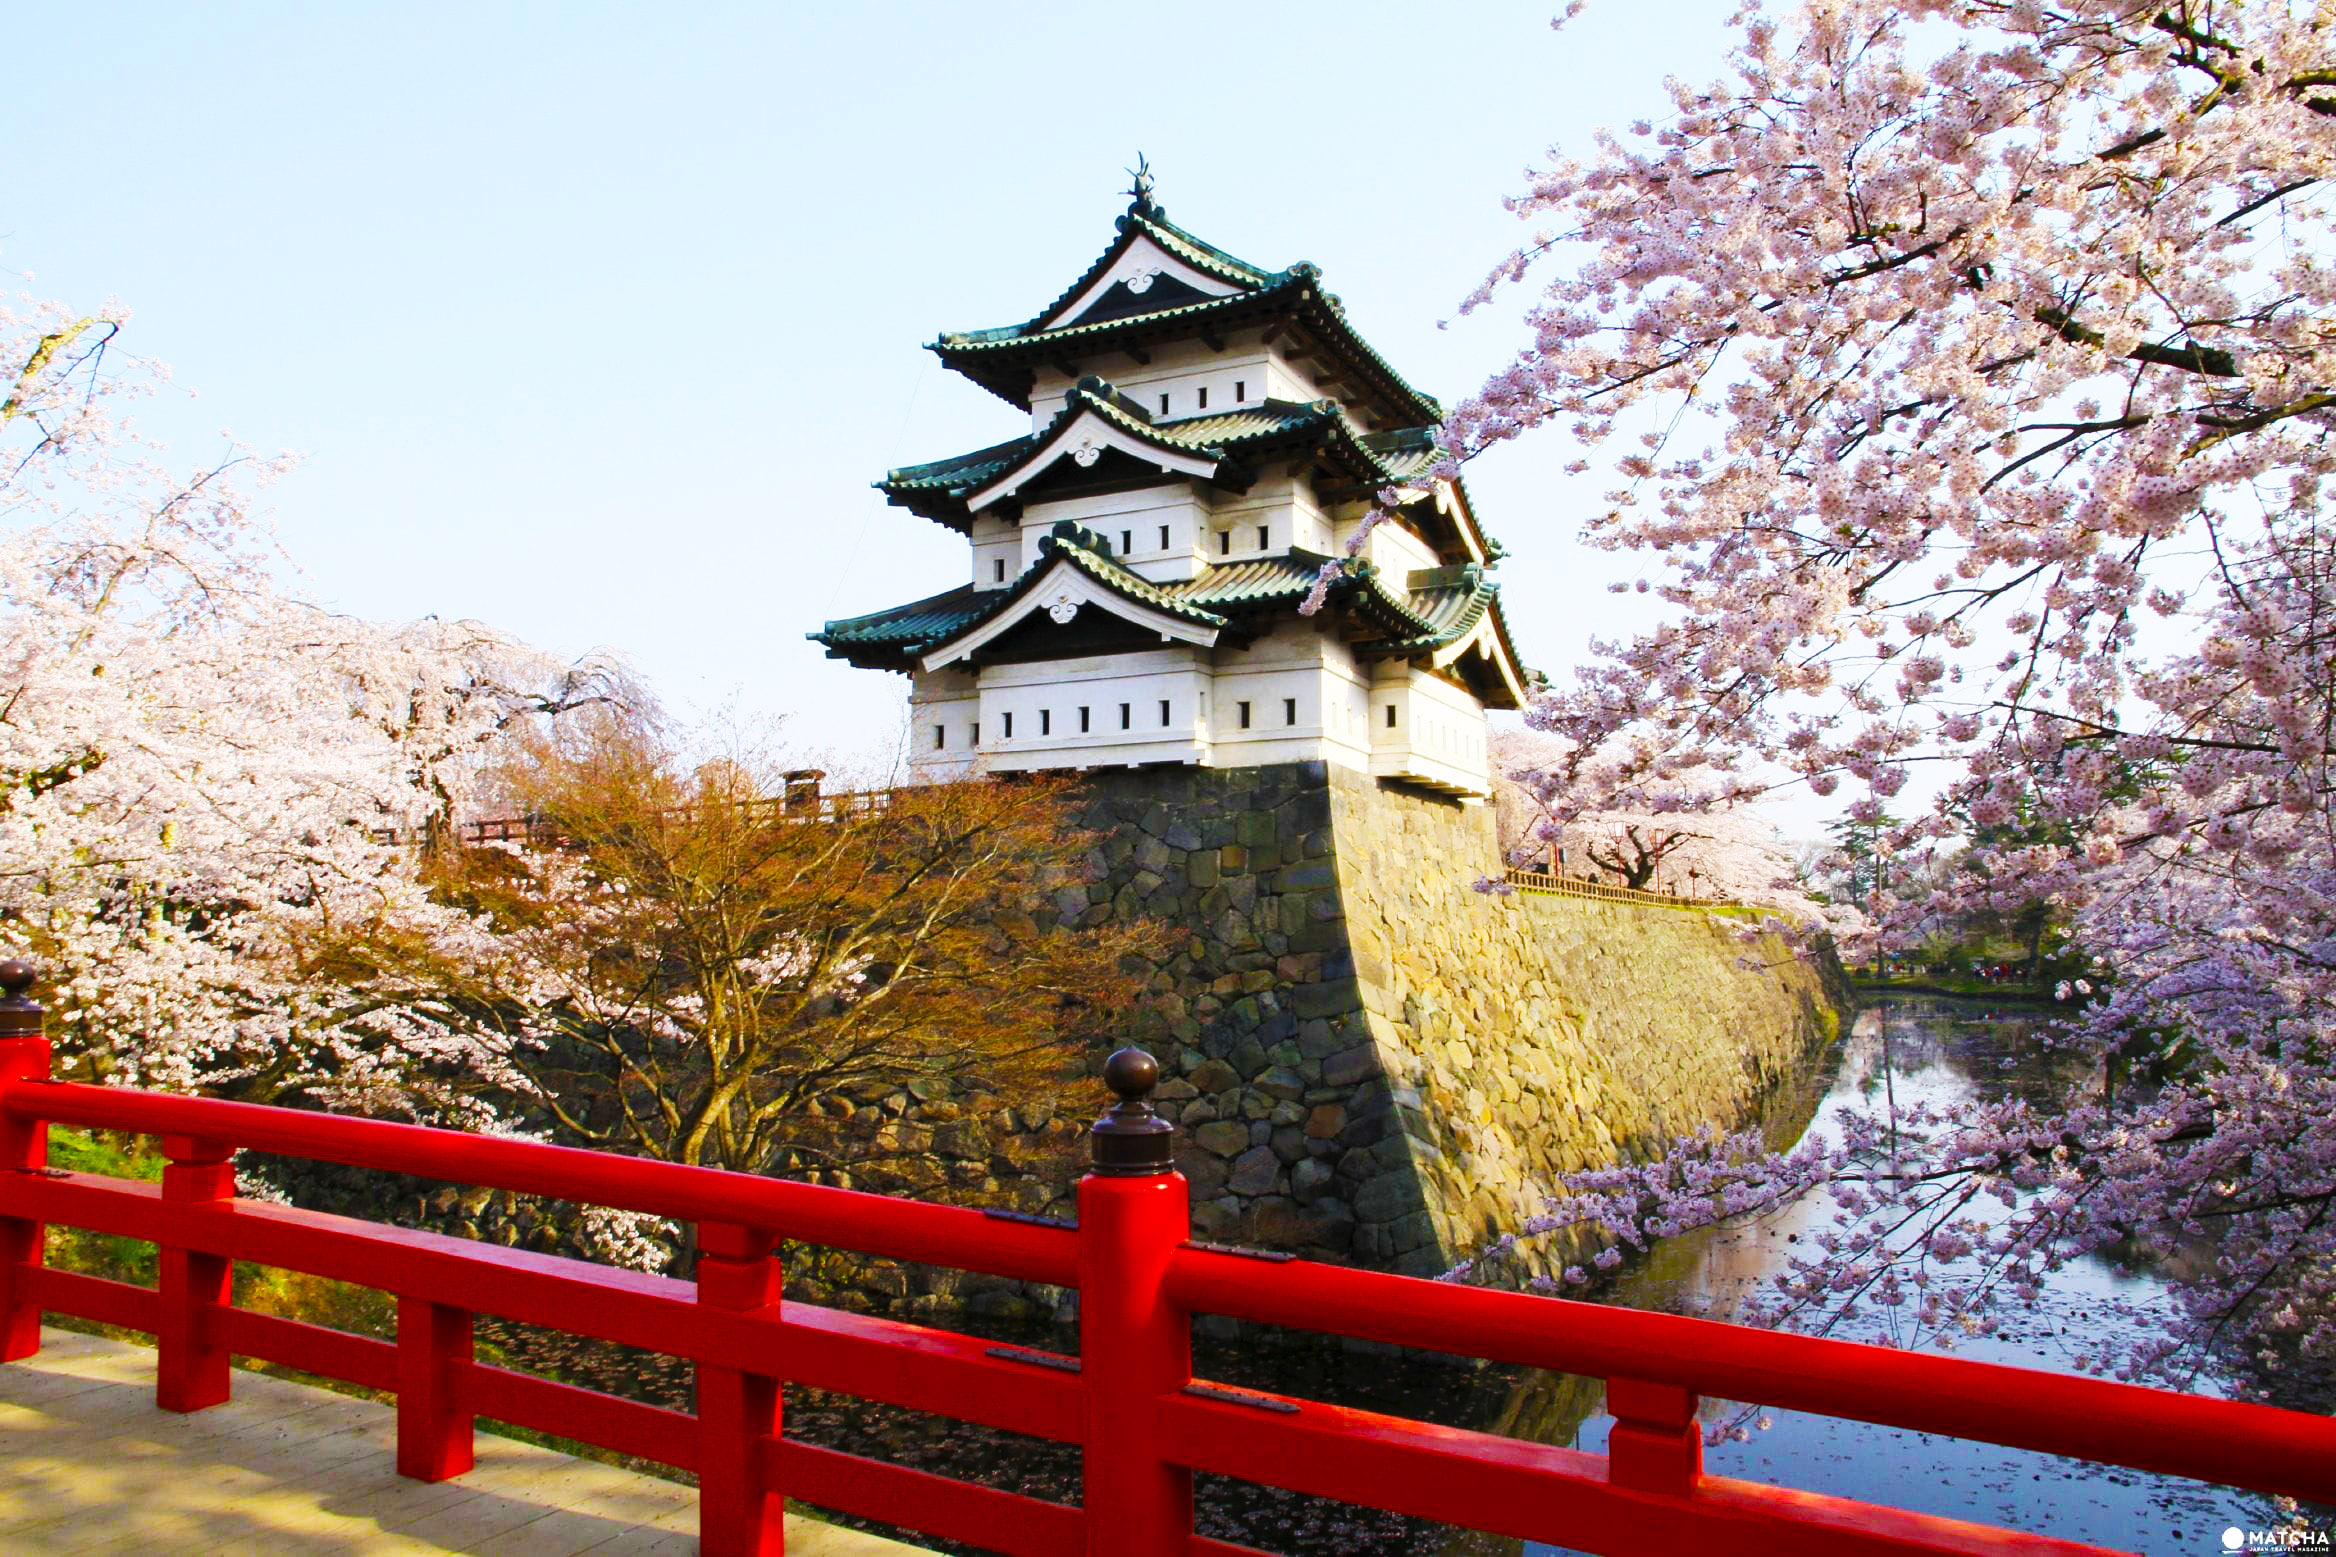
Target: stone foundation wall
[[1367, 1059], [1370, 1060]]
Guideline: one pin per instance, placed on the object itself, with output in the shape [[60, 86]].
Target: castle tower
[[1205, 436]]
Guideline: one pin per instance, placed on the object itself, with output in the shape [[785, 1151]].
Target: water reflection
[[1938, 1051]]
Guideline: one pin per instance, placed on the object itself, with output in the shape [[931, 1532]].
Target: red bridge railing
[[1129, 1399]]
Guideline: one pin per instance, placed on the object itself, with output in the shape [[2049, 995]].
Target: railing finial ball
[[17, 976], [1131, 1141], [1131, 1074]]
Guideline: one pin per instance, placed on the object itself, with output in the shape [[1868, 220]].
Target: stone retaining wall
[[1367, 1059], [1370, 1060]]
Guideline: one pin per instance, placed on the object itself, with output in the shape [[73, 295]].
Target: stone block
[[1307, 876], [1225, 1137], [1333, 998], [1255, 1172], [1389, 1197], [1280, 1082], [1349, 1066], [1212, 1075]]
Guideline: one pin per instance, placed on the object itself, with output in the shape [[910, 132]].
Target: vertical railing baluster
[[190, 1364], [24, 1148], [435, 1430], [1134, 1345], [740, 1510], [1657, 1444]]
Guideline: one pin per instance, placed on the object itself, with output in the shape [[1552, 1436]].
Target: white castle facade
[[1205, 437]]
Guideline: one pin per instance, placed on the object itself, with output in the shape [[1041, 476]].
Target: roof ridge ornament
[[1140, 201]]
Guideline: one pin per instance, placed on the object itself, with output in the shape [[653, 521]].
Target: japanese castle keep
[[1204, 437], [1366, 1058]]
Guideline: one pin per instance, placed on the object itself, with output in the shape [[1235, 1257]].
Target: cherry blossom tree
[[1733, 851], [198, 770], [684, 969], [1966, 369]]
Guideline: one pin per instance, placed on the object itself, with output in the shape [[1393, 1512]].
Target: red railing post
[[740, 1510], [1656, 1445], [1134, 1344], [434, 1424], [190, 1366], [24, 1148]]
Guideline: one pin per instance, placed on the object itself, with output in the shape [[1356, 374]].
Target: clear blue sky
[[595, 322]]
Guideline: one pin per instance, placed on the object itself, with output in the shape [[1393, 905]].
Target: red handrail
[[1128, 1400]]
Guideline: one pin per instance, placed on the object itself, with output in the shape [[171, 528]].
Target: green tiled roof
[[1411, 621], [1146, 220], [941, 488], [998, 358]]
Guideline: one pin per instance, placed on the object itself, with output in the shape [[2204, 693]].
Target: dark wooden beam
[[1142, 358], [1273, 332], [1067, 368], [1215, 343]]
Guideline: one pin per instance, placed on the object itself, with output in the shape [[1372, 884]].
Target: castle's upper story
[[1205, 440]]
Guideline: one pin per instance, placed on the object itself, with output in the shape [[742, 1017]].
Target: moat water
[[1908, 1047]]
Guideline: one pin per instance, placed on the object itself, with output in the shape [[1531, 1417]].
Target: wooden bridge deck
[[88, 1464]]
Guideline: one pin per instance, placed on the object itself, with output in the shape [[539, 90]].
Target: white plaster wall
[[1395, 549], [1243, 374], [1438, 734], [1137, 518], [994, 542], [943, 707], [1045, 698]]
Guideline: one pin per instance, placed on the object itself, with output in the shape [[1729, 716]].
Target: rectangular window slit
[[1123, 716], [1390, 716], [1265, 537], [1289, 710], [1240, 389], [940, 737], [1163, 402], [998, 570], [1008, 720], [1163, 537], [1082, 719], [1046, 721], [1204, 397], [1224, 543], [1127, 542], [1244, 707], [1163, 713]]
